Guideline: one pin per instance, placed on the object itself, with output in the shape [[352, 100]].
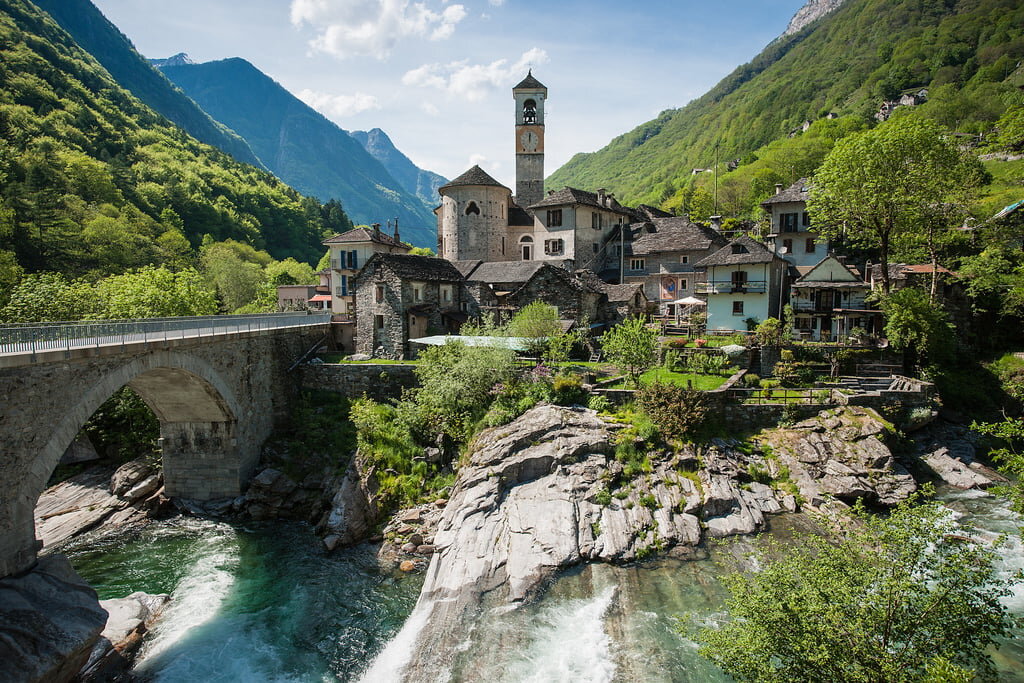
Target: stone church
[[479, 219]]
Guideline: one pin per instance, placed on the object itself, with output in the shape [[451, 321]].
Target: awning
[[320, 297]]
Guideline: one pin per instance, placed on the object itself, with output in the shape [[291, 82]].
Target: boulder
[[50, 619], [128, 475], [955, 472]]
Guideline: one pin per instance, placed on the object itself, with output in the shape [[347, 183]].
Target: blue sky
[[437, 76]]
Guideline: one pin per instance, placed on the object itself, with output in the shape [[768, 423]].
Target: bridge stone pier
[[217, 399]]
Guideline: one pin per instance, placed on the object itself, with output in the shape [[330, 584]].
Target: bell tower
[[529, 96]]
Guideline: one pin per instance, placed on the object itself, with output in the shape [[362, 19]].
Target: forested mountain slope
[[111, 48], [414, 179], [301, 146], [93, 182], [966, 52]]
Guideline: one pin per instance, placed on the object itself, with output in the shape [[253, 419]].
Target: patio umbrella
[[691, 301]]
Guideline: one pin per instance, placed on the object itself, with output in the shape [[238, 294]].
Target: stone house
[[661, 254], [504, 288], [401, 297], [619, 301], [830, 300], [744, 279], [348, 252], [791, 235]]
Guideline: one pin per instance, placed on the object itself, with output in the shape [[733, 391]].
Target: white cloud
[[483, 162], [338, 106], [430, 109], [496, 3], [472, 81], [372, 27]]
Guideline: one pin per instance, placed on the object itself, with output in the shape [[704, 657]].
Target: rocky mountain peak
[[179, 59], [811, 11]]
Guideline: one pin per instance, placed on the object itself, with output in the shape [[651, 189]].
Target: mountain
[[94, 182], [413, 179], [111, 48], [809, 13], [301, 146], [966, 53]]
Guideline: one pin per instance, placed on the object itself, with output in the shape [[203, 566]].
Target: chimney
[[376, 230], [778, 188], [397, 238], [601, 198], [716, 223]]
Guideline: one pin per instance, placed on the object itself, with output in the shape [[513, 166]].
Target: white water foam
[[387, 666], [568, 643]]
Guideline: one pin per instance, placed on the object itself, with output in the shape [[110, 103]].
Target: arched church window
[[472, 208], [526, 238], [529, 111]]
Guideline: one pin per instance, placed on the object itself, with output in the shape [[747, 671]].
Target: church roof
[[673, 234], [474, 176], [530, 83]]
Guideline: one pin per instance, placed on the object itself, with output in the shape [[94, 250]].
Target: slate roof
[[900, 271], [365, 235], [591, 282], [530, 83], [493, 272], [466, 267], [797, 192], [649, 212], [753, 252], [572, 195], [673, 234], [519, 216], [474, 176], [409, 267]]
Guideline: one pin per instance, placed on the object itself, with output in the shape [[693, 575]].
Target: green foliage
[[536, 323], [603, 498], [93, 183], [769, 332], [962, 51], [631, 346], [599, 403], [123, 428], [914, 325], [893, 599], [422, 251], [1009, 454], [679, 412]]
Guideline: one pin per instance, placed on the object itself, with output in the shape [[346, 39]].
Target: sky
[[437, 75]]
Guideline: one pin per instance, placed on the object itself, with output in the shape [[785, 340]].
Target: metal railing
[[66, 336], [731, 287]]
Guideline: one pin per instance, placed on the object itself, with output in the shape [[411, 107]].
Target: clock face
[[529, 140]]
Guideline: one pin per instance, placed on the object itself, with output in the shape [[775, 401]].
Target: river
[[262, 602]]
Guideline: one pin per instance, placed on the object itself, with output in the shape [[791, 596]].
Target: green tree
[[536, 323], [631, 346], [422, 251], [914, 325], [877, 186], [1009, 454], [897, 598], [152, 292], [769, 332]]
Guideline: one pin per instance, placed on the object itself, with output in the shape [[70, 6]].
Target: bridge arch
[[197, 411]]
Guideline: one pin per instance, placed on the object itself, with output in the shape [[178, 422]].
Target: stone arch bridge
[[217, 385]]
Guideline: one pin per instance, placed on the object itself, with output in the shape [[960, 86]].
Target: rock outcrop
[[49, 621], [947, 451], [811, 11], [97, 496], [128, 621]]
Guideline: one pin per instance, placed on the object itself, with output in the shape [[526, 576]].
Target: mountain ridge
[[415, 180]]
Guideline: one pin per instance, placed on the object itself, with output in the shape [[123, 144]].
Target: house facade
[[743, 280], [791, 235], [348, 252], [830, 300]]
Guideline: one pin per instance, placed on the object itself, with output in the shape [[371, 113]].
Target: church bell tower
[[529, 96]]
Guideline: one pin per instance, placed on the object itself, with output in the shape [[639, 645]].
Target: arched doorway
[[526, 247]]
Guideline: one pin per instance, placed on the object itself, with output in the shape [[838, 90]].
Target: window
[[446, 293], [636, 264], [805, 219], [344, 286], [809, 246], [417, 292], [503, 245], [739, 249], [553, 247], [683, 284], [596, 220], [739, 280], [803, 323], [787, 246], [596, 247], [737, 308], [472, 208], [788, 222], [353, 259], [554, 217], [526, 247], [378, 322], [684, 259], [529, 112], [379, 294]]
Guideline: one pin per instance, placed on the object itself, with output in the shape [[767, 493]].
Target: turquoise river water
[[264, 603]]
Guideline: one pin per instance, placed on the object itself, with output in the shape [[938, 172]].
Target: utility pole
[[622, 251], [717, 143]]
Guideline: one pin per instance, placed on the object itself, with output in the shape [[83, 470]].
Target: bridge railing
[[65, 336]]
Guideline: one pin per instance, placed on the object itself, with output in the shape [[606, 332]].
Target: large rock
[[354, 511], [49, 621], [130, 618], [957, 473]]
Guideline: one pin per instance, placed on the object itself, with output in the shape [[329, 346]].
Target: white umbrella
[[690, 301]]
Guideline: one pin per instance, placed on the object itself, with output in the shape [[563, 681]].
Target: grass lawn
[[701, 382]]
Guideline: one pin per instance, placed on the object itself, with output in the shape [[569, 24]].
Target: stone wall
[[379, 381]]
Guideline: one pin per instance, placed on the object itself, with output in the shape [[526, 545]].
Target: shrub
[[751, 380], [678, 412], [599, 403], [603, 498], [568, 390], [674, 361], [649, 501], [700, 343]]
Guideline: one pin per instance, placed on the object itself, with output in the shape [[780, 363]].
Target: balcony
[[730, 287]]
